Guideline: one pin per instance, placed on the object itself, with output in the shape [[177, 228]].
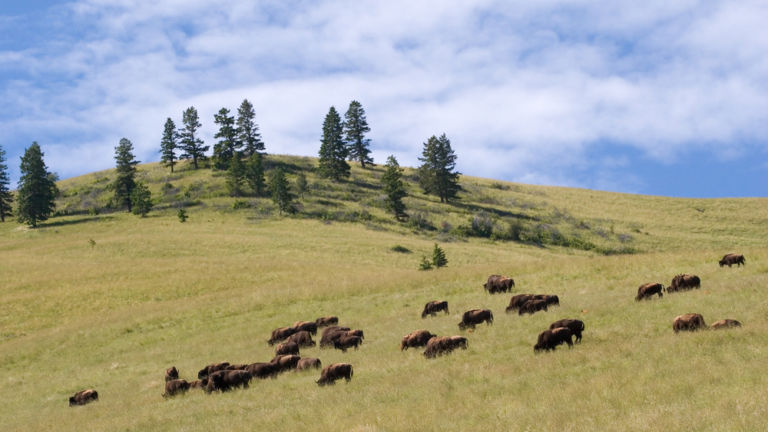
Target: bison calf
[[646, 291], [725, 323], [333, 372], [83, 397], [688, 322], [475, 316], [174, 387], [308, 362], [433, 307]]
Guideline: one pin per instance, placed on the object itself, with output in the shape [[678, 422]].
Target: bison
[[475, 316], [263, 370], [725, 323], [174, 387], [333, 372], [225, 380], [731, 259], [438, 346], [518, 300], [308, 362], [306, 326], [287, 348], [330, 334], [83, 397], [683, 282], [688, 322], [532, 306], [347, 341], [418, 338], [286, 362], [550, 339], [327, 321], [211, 368], [434, 307], [498, 283], [280, 334], [302, 339], [551, 300], [171, 374], [574, 325], [647, 290]]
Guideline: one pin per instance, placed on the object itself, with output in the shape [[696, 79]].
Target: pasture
[[110, 301]]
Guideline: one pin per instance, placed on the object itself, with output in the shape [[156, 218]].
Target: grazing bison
[[330, 334], [518, 300], [302, 339], [551, 300], [731, 259], [281, 333], [725, 323], [333, 372], [498, 283], [286, 362], [347, 341], [286, 348], [308, 362], [174, 387], [418, 338], [532, 306], [684, 282], [475, 316], [438, 346], [646, 291], [263, 370], [688, 322], [434, 307], [357, 332], [550, 339], [171, 374], [211, 368], [327, 321], [306, 326], [574, 325], [225, 380], [83, 397]]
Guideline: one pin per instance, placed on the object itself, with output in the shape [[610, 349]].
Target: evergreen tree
[[182, 215], [254, 174], [168, 144], [227, 148], [141, 200], [247, 129], [37, 190], [438, 257], [126, 174], [436, 174], [355, 128], [6, 196], [394, 187], [192, 146], [301, 184], [281, 192], [333, 152], [235, 176]]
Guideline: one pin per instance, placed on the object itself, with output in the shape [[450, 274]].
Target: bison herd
[[225, 376]]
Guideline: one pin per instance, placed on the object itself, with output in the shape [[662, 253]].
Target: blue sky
[[655, 97]]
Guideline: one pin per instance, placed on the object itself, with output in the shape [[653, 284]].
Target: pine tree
[[355, 128], [235, 176], [254, 174], [436, 174], [394, 187], [141, 200], [333, 152], [192, 146], [126, 174], [281, 193], [168, 144], [247, 129], [438, 257], [37, 189], [228, 146], [6, 196]]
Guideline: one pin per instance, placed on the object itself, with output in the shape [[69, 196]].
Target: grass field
[[111, 300]]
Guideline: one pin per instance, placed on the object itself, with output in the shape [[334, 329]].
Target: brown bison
[[532, 306], [647, 290], [518, 300], [263, 370], [309, 326], [433, 307], [302, 339], [280, 334], [171, 374], [286, 362], [438, 346], [475, 316], [327, 321], [551, 300], [211, 368], [308, 362], [225, 380], [684, 282], [498, 283], [731, 259], [196, 384], [83, 397], [174, 387], [574, 325], [725, 323], [286, 348], [550, 339], [330, 334], [688, 322], [333, 372], [347, 341], [418, 338]]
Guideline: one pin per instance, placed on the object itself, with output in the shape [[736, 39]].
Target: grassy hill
[[109, 300]]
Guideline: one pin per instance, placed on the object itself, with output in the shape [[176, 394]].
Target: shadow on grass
[[59, 223]]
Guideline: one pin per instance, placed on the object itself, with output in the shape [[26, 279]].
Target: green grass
[[149, 293]]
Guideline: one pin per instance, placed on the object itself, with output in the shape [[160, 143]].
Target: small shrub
[[499, 186], [425, 263], [482, 225], [419, 220], [240, 204], [438, 257], [400, 249], [182, 215]]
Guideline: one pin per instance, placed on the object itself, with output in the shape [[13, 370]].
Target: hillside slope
[[111, 300]]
